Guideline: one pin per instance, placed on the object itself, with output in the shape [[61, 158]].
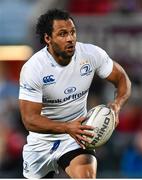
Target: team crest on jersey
[[70, 90], [85, 70], [47, 80]]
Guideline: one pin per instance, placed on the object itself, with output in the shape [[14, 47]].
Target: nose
[[70, 37]]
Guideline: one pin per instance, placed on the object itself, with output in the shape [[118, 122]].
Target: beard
[[63, 55]]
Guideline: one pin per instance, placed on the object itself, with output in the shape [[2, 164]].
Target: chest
[[59, 82]]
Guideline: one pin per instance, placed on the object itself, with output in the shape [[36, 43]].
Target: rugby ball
[[102, 118]]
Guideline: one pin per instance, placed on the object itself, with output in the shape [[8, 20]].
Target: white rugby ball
[[102, 118]]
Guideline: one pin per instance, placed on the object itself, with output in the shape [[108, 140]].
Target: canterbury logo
[[49, 79]]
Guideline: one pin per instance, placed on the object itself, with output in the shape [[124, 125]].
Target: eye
[[62, 34], [73, 32]]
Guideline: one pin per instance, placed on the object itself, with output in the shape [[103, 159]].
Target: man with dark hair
[[54, 85]]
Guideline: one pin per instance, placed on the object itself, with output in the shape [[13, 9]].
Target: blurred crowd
[[104, 6], [12, 133], [121, 157]]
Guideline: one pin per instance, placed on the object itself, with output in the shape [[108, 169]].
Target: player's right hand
[[77, 130]]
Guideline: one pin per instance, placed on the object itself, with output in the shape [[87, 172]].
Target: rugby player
[[54, 85]]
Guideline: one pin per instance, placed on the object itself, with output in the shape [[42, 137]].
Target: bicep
[[117, 74], [29, 110]]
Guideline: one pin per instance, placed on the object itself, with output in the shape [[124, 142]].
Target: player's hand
[[116, 108], [77, 131]]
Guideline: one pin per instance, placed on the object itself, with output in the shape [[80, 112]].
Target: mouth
[[70, 48]]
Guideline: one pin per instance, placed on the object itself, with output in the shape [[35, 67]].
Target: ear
[[46, 38]]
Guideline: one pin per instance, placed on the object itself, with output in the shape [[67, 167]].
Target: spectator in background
[[131, 161], [8, 93], [89, 7], [11, 137], [130, 124]]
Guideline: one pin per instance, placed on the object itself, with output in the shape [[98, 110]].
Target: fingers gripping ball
[[102, 118]]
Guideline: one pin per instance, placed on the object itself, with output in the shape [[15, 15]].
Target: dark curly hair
[[45, 22]]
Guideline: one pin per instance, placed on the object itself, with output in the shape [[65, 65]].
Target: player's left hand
[[116, 108], [77, 130]]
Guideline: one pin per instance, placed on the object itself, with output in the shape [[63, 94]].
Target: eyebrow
[[64, 29]]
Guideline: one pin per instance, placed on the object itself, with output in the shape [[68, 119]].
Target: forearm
[[41, 124], [123, 90], [121, 81], [33, 121]]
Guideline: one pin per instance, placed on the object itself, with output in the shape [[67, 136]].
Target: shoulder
[[96, 55], [37, 62], [37, 59], [33, 68], [89, 49]]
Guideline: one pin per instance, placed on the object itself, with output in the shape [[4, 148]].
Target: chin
[[67, 55], [70, 54]]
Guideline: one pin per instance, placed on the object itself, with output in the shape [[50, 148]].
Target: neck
[[63, 61]]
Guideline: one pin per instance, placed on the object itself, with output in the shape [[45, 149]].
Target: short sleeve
[[104, 64], [30, 86]]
